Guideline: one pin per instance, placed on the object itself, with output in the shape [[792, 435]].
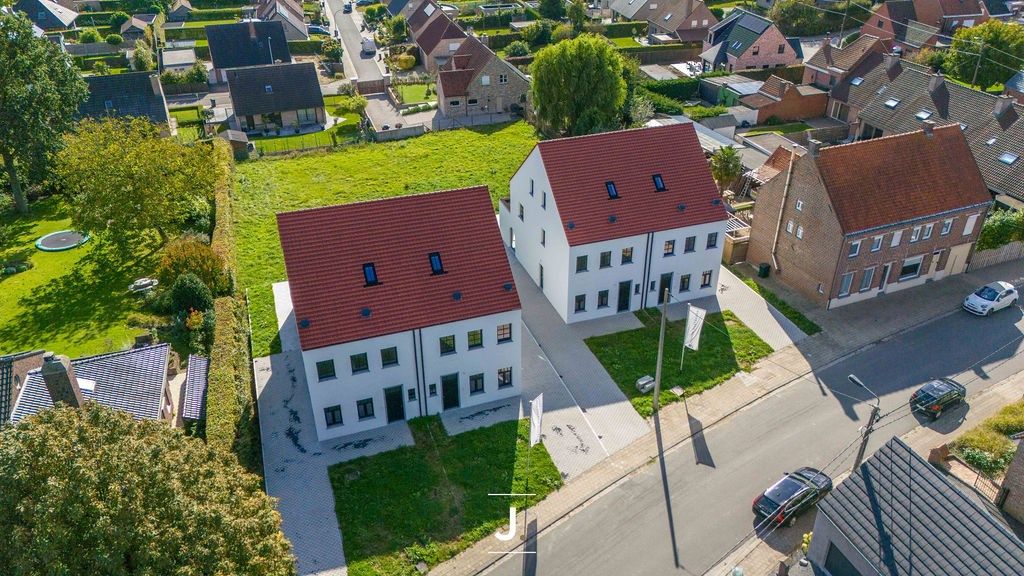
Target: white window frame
[[800, 232], [800, 205], [876, 243], [928, 231], [789, 227], [969, 225], [867, 279], [920, 260], [947, 227], [846, 284], [897, 237], [915, 234], [854, 249], [485, 80]]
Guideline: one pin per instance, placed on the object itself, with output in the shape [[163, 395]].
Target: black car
[[936, 396], [790, 497]]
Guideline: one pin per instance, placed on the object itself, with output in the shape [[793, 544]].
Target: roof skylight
[[922, 115], [857, 81], [892, 102], [1008, 158], [613, 192]]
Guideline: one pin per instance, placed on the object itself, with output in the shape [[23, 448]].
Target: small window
[[799, 205], [867, 279], [636, 289], [476, 384], [522, 214], [454, 103], [435, 263], [504, 377], [359, 363], [821, 288], [915, 234], [502, 78], [684, 283], [370, 274], [471, 102], [911, 268], [544, 200], [581, 303], [876, 243], [475, 338], [627, 255], [432, 390], [947, 226], [923, 114], [268, 89], [705, 278], [782, 48], [109, 105], [606, 259], [581, 263], [602, 299], [789, 227], [389, 356], [613, 192], [659, 183], [504, 333], [1008, 158], [531, 186], [928, 231], [543, 237], [447, 344], [690, 244], [892, 103], [332, 416], [669, 248], [325, 370], [854, 249], [412, 394], [800, 232], [364, 408], [897, 236], [755, 51], [857, 80], [712, 241], [485, 80], [844, 286]]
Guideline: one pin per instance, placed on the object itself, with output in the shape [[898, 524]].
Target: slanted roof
[[132, 380], [418, 14], [58, 13], [133, 23], [775, 164], [181, 4], [578, 169], [672, 14], [633, 9], [440, 28], [274, 88], [7, 376], [739, 30], [325, 250], [899, 12], [845, 58], [289, 11], [906, 519], [1016, 82], [395, 7], [900, 178], [247, 44], [917, 34], [774, 87], [458, 72], [868, 79], [194, 407], [136, 94]]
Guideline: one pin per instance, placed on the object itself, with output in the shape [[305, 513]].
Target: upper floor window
[[581, 263], [502, 78], [435, 263], [690, 244], [325, 370], [755, 50], [627, 255], [947, 225], [475, 338], [854, 249], [876, 243], [388, 356], [782, 48], [359, 363], [915, 234], [370, 274], [531, 186], [447, 344], [522, 213], [928, 231], [606, 259], [504, 333], [800, 205], [712, 240], [670, 247]]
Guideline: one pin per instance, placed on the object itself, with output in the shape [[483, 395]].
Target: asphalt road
[[365, 66], [712, 480]]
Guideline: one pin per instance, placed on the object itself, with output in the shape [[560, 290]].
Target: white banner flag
[[694, 323], [536, 415]]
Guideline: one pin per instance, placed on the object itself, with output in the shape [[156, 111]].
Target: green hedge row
[[620, 29], [207, 4], [662, 104], [215, 14], [305, 46], [113, 61], [498, 41], [679, 88], [185, 33], [202, 52]]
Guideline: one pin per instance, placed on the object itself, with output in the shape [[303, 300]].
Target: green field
[[437, 161], [74, 302]]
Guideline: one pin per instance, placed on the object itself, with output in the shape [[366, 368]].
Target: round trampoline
[[61, 240]]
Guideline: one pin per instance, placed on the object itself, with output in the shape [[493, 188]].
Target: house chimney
[[1003, 103], [813, 147], [60, 380], [826, 49], [252, 29], [929, 128], [936, 82], [154, 83], [892, 60]]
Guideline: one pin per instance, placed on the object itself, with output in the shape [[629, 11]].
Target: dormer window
[[370, 274], [613, 192], [922, 115], [667, 16], [435, 263], [857, 81], [268, 89], [1008, 158], [659, 183], [892, 103]]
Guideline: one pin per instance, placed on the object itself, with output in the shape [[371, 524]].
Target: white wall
[[347, 388]]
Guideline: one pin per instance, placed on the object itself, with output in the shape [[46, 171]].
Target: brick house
[[950, 15], [476, 81], [682, 20], [421, 314], [850, 222], [897, 24], [438, 40], [639, 10], [786, 101], [133, 94], [276, 97], [830, 65], [745, 41]]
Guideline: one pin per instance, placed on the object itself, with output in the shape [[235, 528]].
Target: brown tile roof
[[455, 82], [456, 74], [757, 100], [417, 14], [325, 250], [892, 179], [578, 168], [775, 164], [848, 56], [440, 28], [774, 87]]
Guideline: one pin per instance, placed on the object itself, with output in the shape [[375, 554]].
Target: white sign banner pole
[[694, 324], [536, 416]]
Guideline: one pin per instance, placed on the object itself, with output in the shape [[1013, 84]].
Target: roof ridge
[[583, 136], [937, 128], [386, 199], [106, 355]]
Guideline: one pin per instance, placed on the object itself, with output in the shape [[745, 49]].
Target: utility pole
[[661, 351], [842, 27], [981, 52], [871, 423]]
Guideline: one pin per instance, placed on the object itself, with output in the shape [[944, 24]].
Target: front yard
[[726, 347], [439, 160], [414, 93], [428, 502]]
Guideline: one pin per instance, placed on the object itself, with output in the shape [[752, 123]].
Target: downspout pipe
[[782, 208]]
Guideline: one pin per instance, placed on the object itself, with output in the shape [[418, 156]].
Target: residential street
[[366, 67], [713, 479]]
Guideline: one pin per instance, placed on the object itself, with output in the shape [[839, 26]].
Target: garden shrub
[[989, 463], [188, 255], [538, 33], [679, 88], [118, 18], [518, 48], [697, 113], [718, 12], [803, 18], [114, 39], [662, 104], [498, 41], [355, 104], [405, 62], [305, 47], [332, 50], [88, 36], [100, 69], [561, 32], [1001, 227], [1009, 420], [190, 293], [619, 29]]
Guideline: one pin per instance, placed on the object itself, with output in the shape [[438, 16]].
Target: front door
[[885, 277], [624, 295], [666, 284], [393, 403], [450, 391]]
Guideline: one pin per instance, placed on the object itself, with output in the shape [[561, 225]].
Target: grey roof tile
[[291, 87], [195, 388], [247, 44], [136, 94]]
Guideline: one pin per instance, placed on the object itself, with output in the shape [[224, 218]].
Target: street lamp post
[[871, 422]]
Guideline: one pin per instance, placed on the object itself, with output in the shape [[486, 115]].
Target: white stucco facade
[[419, 374], [622, 283]]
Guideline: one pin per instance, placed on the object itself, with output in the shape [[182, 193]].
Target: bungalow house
[[276, 97], [782, 100], [627, 215], [422, 315], [438, 40], [47, 15], [289, 13], [476, 81], [177, 60], [137, 94], [745, 41], [243, 44], [639, 10], [830, 65], [14, 369], [680, 20], [896, 514], [135, 381], [179, 11], [898, 220], [133, 28]]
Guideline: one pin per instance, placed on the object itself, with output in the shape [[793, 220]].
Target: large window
[[504, 377], [691, 244], [307, 116], [911, 268], [476, 339], [389, 356], [364, 408], [705, 279], [602, 299], [359, 363], [847, 282], [854, 249], [581, 264], [581, 303], [476, 384], [867, 279], [504, 333], [447, 344], [325, 370], [332, 415]]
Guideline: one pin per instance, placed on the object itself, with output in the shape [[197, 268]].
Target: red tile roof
[[458, 72], [325, 249], [577, 169], [897, 178]]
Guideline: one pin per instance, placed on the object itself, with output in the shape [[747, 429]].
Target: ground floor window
[[581, 303], [684, 283], [844, 286], [504, 377], [866, 279], [476, 384], [455, 103], [911, 268], [412, 394], [602, 299], [332, 414], [433, 390], [307, 115], [364, 408], [705, 279]]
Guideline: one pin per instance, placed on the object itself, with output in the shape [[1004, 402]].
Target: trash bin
[[763, 270]]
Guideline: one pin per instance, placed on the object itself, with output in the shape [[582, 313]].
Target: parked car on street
[[366, 2], [937, 395], [313, 29], [793, 495], [369, 46], [991, 297], [348, 8]]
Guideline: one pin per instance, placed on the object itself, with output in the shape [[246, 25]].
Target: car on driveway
[[990, 298], [318, 30], [937, 395], [796, 493]]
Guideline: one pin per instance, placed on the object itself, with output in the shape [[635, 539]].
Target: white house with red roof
[[605, 223], [405, 307]]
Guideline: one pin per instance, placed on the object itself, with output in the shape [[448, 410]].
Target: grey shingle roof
[[736, 32], [133, 94], [907, 519], [292, 87], [132, 380], [195, 388], [1016, 82], [7, 381], [246, 44], [54, 16]]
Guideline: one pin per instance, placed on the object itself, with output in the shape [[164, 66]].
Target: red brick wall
[[794, 106], [767, 52]]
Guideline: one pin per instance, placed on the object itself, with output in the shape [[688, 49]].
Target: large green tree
[[990, 52], [726, 166], [40, 90], [552, 9], [578, 85], [91, 491], [126, 181], [577, 15]]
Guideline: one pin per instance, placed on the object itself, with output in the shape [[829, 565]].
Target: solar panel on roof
[[754, 24]]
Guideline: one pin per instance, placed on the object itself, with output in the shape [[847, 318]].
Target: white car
[[991, 297], [143, 285]]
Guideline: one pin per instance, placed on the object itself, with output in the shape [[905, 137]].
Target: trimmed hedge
[[679, 89], [207, 4], [620, 29], [185, 33], [305, 47], [215, 14], [662, 104], [794, 74], [113, 61], [498, 41], [653, 48]]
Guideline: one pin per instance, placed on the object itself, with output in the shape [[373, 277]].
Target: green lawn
[[436, 161], [726, 347], [429, 501], [414, 93], [624, 42], [187, 114], [74, 302], [205, 23], [271, 144], [794, 315], [779, 129]]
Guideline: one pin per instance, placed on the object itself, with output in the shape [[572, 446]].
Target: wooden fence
[[1005, 253]]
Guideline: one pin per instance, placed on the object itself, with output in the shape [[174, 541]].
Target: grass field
[[429, 501], [74, 302], [624, 42], [414, 93], [439, 160], [726, 347]]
